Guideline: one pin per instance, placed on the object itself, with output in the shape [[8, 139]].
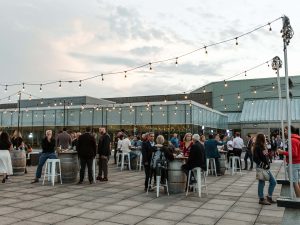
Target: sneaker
[[270, 200], [264, 202], [36, 180], [105, 179], [98, 178]]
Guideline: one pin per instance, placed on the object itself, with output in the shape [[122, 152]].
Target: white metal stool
[[123, 160], [158, 185], [234, 162], [94, 170], [211, 166], [50, 170], [198, 185], [139, 162]]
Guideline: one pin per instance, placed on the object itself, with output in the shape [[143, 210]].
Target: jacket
[[261, 158], [147, 150], [48, 147], [211, 149], [295, 149], [197, 157], [64, 140], [86, 146], [104, 145]]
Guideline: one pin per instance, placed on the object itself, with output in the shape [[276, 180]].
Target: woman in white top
[[126, 147]]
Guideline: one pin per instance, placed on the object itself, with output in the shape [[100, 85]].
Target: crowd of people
[[157, 152]]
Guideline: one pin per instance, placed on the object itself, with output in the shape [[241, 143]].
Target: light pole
[[19, 111], [276, 65], [287, 34]]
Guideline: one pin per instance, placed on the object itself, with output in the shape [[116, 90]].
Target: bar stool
[[140, 162], [94, 170], [211, 166], [198, 185], [50, 170], [158, 185], [234, 161], [123, 160]]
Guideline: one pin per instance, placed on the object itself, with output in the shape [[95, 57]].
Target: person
[[159, 160], [238, 144], [64, 139], [174, 140], [202, 139], [295, 138], [5, 159], [229, 148], [279, 144], [186, 144], [147, 149], [248, 153], [211, 151], [104, 153], [269, 147], [119, 145], [273, 147], [86, 148], [17, 140], [261, 158], [126, 147], [75, 140], [48, 152], [197, 157]]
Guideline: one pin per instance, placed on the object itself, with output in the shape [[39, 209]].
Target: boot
[[270, 200], [246, 166], [264, 202]]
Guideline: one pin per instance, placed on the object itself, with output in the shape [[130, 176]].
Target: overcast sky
[[50, 40]]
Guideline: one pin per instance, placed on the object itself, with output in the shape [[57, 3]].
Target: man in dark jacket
[[197, 156], [249, 153], [86, 148], [104, 153], [147, 149]]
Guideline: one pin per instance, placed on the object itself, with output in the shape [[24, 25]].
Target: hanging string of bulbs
[[150, 64]]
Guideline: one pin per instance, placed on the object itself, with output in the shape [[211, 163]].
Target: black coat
[[86, 146], [147, 150], [260, 157], [48, 146], [197, 157], [104, 145]]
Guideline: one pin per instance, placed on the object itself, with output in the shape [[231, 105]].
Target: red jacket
[[295, 149]]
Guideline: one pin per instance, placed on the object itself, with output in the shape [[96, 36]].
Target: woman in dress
[[5, 159], [186, 144]]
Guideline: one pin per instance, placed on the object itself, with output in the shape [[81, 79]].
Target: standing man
[[104, 153], [48, 146], [238, 145], [64, 139], [248, 153], [147, 149], [86, 148]]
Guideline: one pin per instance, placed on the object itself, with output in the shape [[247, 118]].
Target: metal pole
[[287, 34], [64, 113], [19, 111]]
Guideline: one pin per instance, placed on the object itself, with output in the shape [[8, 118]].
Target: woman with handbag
[[263, 173]]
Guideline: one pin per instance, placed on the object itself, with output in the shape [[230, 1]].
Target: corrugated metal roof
[[268, 110], [234, 117]]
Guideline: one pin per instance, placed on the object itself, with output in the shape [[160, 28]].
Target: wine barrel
[[69, 166], [222, 161], [18, 161], [176, 177]]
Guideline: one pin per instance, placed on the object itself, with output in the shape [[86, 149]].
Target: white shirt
[[119, 144], [125, 145], [229, 145], [238, 143]]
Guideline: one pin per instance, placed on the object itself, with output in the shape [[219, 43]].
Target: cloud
[[146, 50]]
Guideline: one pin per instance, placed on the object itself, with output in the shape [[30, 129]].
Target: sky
[[51, 40]]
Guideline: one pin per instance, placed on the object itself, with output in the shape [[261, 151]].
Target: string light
[[273, 86], [268, 63], [245, 73], [41, 87], [59, 84], [125, 72], [23, 88], [225, 83], [270, 28], [150, 66], [225, 107], [5, 88], [102, 78], [254, 91], [148, 104], [204, 91], [30, 97], [9, 98], [205, 48], [238, 105], [176, 62], [80, 84], [222, 99], [236, 41], [239, 96], [165, 99]]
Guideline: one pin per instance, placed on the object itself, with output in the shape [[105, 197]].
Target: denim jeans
[[261, 185], [42, 160]]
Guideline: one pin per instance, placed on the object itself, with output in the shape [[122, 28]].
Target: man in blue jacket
[[212, 151]]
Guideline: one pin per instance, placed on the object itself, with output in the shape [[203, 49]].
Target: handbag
[[262, 174]]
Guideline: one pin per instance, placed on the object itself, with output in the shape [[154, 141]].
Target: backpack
[[158, 159]]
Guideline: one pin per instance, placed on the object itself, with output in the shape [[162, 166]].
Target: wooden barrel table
[[18, 161], [69, 166], [176, 177], [222, 161]]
